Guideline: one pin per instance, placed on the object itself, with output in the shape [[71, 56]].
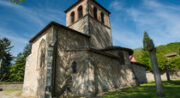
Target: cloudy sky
[[129, 19]]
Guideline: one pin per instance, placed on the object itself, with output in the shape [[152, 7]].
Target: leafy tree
[[6, 57], [27, 50], [17, 70], [172, 63]]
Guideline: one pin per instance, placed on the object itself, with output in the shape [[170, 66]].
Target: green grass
[[12, 90], [172, 90]]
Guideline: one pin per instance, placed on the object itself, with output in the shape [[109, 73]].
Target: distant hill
[[173, 63]]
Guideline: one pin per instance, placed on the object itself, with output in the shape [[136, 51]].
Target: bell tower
[[91, 18]]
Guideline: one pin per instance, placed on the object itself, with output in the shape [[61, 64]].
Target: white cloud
[[116, 5], [17, 41], [38, 16], [26, 18], [161, 21]]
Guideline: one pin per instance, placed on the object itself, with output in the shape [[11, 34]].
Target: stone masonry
[[78, 59]]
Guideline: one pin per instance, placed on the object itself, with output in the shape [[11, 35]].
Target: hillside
[[173, 63]]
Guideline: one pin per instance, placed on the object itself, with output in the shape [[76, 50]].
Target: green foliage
[[147, 42], [173, 63], [6, 57], [147, 91], [16, 1], [17, 70]]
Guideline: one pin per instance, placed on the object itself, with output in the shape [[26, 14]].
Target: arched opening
[[41, 54], [102, 17], [95, 12], [80, 12], [41, 69], [74, 67], [72, 18]]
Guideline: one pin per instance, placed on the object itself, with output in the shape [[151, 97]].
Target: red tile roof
[[132, 58], [171, 54]]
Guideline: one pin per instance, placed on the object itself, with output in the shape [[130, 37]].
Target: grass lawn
[[172, 90]]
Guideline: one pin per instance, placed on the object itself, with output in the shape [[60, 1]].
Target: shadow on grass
[[171, 89]]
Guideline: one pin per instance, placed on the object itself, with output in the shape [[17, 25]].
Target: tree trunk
[[157, 76], [167, 74]]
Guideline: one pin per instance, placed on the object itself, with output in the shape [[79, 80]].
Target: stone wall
[[69, 40], [173, 75], [140, 73], [32, 74], [69, 50], [109, 74], [64, 70], [101, 36], [9, 85], [99, 10], [96, 73], [81, 25]]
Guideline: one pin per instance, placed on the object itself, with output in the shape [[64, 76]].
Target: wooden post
[[149, 45]]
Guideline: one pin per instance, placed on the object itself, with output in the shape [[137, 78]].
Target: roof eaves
[[56, 24], [103, 53], [118, 47]]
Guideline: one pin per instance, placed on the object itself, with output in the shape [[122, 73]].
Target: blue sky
[[129, 19]]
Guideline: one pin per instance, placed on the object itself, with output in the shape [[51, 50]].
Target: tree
[[6, 57], [16, 1], [17, 70], [142, 56], [149, 46], [27, 50]]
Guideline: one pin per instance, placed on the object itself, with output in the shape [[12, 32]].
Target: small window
[[80, 12], [121, 55], [95, 12], [72, 17], [102, 17], [74, 67]]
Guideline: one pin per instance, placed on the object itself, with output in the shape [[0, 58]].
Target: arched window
[[74, 67], [102, 17], [80, 12], [72, 17], [41, 55], [121, 55], [95, 12]]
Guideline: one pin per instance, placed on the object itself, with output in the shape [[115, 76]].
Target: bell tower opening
[[72, 17], [95, 12], [90, 18], [80, 13]]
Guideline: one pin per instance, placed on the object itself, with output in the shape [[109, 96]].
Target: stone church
[[78, 59]]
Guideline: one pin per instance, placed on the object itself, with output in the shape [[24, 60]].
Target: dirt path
[[11, 94]]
